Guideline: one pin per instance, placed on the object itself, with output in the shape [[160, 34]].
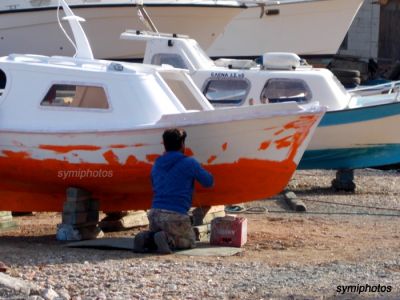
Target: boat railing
[[397, 97], [152, 35], [385, 88]]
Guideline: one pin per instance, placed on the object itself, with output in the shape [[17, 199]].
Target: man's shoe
[[140, 242], [161, 240]]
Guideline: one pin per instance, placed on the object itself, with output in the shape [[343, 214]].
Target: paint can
[[230, 231]]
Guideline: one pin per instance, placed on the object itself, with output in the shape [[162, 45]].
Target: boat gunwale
[[110, 5], [382, 106], [187, 121]]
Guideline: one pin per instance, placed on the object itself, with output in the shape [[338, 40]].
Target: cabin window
[[285, 89], [171, 59], [66, 95], [226, 92], [3, 81]]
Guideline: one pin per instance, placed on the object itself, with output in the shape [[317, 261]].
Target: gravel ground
[[288, 255]]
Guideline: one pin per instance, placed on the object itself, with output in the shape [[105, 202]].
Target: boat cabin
[[63, 93], [281, 77]]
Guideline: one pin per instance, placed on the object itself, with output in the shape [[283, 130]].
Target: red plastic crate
[[229, 231]]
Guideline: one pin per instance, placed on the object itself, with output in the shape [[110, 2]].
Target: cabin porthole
[[3, 82]]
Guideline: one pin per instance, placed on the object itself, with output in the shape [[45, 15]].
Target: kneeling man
[[173, 176]]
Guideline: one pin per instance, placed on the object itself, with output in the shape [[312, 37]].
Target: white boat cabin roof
[[70, 94]]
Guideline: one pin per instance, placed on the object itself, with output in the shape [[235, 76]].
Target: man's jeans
[[177, 226]]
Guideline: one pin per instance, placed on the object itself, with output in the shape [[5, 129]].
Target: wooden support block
[[135, 219], [211, 216], [204, 215], [130, 220], [6, 218], [5, 214], [8, 226], [6, 221], [216, 209], [294, 203], [202, 232], [91, 233]]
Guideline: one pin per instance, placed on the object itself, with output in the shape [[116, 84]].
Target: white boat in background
[[306, 27], [309, 28], [97, 125], [31, 26], [358, 131]]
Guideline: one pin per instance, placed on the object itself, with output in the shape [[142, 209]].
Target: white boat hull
[[355, 138], [252, 156], [37, 31], [308, 28]]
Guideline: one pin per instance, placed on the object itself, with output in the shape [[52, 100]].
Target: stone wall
[[363, 35]]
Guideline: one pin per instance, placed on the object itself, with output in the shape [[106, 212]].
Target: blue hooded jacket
[[173, 175]]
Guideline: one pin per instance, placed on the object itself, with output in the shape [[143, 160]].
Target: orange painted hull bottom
[[41, 184]]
